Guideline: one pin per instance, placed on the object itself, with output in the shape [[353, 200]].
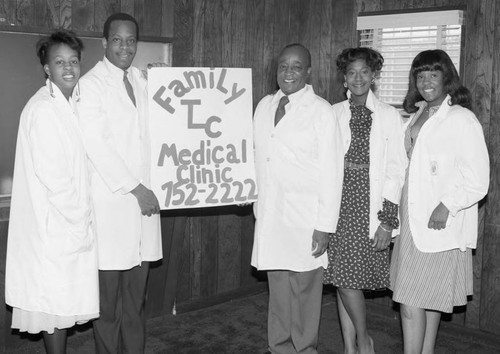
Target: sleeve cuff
[[448, 204], [323, 228], [129, 186]]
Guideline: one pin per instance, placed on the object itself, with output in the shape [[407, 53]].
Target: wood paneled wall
[[251, 33], [242, 33], [155, 17], [216, 251], [207, 251], [480, 73], [85, 17]]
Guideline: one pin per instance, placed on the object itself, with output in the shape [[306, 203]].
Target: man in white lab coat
[[113, 120], [299, 162]]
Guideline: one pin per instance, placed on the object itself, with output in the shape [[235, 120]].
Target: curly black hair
[[373, 58], [436, 60], [62, 36]]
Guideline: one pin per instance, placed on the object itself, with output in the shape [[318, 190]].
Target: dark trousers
[[121, 327], [294, 311]]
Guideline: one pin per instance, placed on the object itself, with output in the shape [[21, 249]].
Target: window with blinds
[[401, 42]]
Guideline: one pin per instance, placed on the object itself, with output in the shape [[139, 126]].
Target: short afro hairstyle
[[298, 45], [119, 16]]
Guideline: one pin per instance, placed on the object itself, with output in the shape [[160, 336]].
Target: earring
[[51, 89], [345, 84], [77, 92], [373, 81]]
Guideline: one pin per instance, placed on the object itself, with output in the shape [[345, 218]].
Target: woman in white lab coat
[[51, 275], [374, 166], [431, 267]]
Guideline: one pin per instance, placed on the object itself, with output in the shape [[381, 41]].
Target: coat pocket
[[63, 239], [300, 209]]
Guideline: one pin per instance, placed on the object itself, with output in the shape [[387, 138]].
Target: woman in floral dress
[[374, 168]]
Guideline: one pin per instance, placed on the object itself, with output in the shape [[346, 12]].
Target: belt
[[356, 166]]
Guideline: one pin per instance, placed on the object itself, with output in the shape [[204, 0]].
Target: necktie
[[280, 112], [128, 86]]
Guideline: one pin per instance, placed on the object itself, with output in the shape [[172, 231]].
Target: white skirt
[[36, 322]]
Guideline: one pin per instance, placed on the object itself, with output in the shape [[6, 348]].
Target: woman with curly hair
[[51, 274], [448, 173], [374, 166]]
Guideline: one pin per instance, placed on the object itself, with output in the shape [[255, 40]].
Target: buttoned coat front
[[51, 249], [299, 167], [117, 141], [387, 153]]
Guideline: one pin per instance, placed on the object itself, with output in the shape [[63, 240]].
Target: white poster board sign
[[201, 136]]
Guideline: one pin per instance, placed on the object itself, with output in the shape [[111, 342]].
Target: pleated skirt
[[434, 281]]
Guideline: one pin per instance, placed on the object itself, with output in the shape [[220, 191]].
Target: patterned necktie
[[280, 112], [128, 86]]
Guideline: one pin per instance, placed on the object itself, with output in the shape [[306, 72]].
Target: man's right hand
[[147, 200]]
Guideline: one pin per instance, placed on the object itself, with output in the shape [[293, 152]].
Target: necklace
[[431, 110]]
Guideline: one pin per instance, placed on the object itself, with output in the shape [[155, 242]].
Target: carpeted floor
[[239, 327]]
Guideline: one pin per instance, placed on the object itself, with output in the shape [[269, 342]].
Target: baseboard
[[198, 304]]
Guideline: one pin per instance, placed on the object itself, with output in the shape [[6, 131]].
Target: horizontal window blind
[[399, 45]]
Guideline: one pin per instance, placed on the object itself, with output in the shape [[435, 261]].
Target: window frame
[[461, 13]]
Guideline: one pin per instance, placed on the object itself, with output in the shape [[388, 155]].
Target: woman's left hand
[[439, 217], [382, 238]]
